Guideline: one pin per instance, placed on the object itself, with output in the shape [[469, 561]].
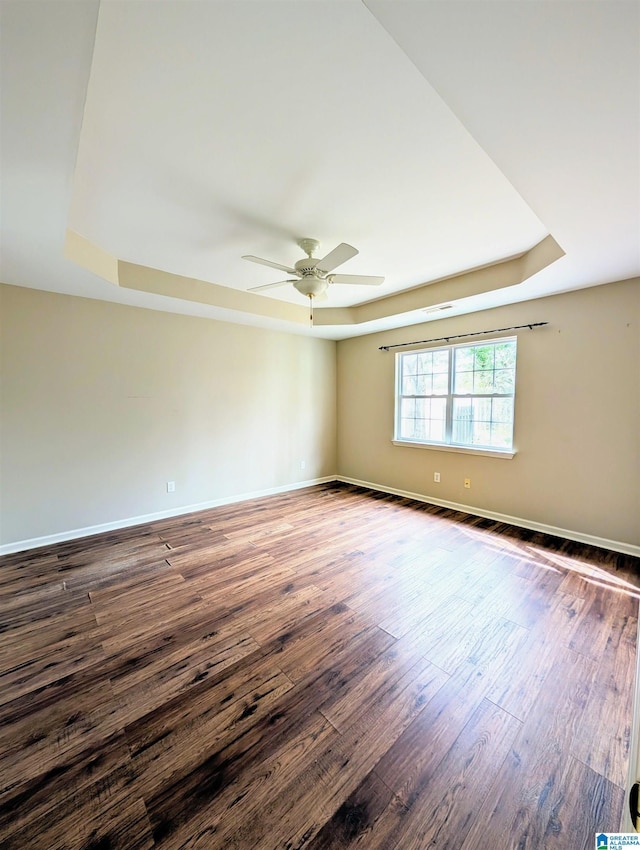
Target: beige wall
[[102, 404], [577, 428]]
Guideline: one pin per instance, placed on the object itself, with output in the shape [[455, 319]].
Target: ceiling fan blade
[[368, 280], [336, 257], [270, 285], [262, 262]]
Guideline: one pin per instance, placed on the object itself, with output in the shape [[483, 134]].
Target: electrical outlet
[[467, 483], [436, 477], [171, 486], [303, 464]]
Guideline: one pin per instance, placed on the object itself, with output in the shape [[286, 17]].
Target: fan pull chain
[[310, 310]]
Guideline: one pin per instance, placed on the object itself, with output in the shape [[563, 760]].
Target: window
[[458, 395]]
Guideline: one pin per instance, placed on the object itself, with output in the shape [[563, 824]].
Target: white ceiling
[[436, 137]]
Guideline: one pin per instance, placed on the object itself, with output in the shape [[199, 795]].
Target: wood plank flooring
[[330, 668]]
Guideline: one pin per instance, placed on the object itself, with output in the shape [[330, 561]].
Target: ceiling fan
[[312, 276]]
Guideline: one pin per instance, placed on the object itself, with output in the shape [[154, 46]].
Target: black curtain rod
[[460, 336]]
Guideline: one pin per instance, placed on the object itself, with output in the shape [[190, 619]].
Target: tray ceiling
[[149, 145]]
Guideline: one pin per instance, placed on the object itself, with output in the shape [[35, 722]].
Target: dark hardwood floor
[[328, 668]]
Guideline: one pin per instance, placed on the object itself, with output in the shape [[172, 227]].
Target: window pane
[[408, 408], [409, 364], [501, 435], [503, 410], [483, 422], [439, 408], [483, 357], [463, 383], [483, 382], [437, 430], [481, 409], [441, 361], [424, 385], [461, 425], [441, 383], [409, 386], [505, 355], [425, 362], [423, 406], [504, 380], [419, 430], [407, 429], [481, 433], [464, 359]]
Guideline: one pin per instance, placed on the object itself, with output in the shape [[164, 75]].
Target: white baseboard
[[76, 533], [567, 534]]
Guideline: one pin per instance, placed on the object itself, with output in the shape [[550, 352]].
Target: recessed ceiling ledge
[[486, 279], [84, 253], [158, 282]]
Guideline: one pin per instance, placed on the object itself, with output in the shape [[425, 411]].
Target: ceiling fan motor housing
[[308, 266]]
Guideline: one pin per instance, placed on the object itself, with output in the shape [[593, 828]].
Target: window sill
[[445, 447]]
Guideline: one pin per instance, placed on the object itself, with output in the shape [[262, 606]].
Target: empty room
[[319, 424]]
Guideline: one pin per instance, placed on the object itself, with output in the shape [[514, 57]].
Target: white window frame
[[447, 445]]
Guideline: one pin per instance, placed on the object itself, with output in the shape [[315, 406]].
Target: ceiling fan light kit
[[313, 276], [311, 286]]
